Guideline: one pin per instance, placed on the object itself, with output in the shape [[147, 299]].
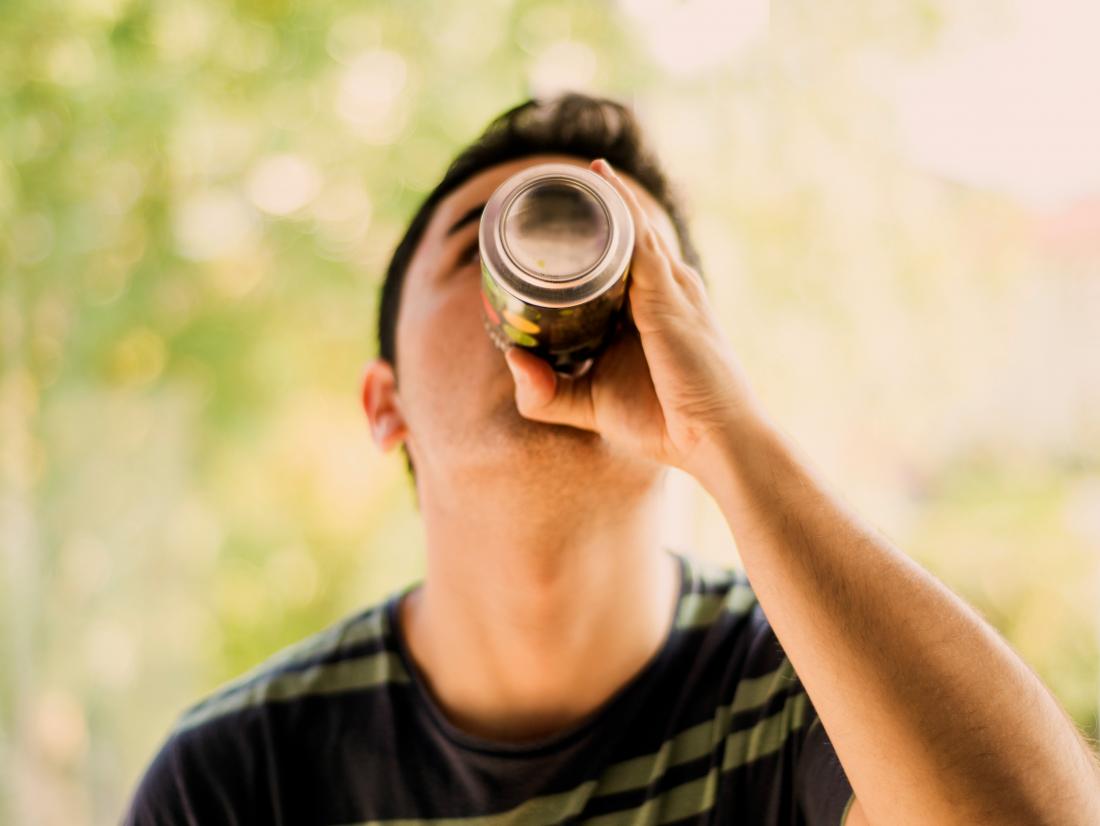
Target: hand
[[669, 384]]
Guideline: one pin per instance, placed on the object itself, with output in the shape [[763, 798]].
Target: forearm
[[934, 717]]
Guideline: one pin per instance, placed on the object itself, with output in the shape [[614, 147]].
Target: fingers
[[655, 263], [686, 275], [650, 268], [546, 396]]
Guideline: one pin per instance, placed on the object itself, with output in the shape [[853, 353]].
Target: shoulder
[[712, 592], [355, 652], [764, 700], [775, 756], [212, 765], [718, 601]]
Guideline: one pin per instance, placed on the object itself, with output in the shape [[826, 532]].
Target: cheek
[[444, 343], [452, 328], [464, 311]]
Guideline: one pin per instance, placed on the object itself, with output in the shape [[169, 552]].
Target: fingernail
[[605, 167]]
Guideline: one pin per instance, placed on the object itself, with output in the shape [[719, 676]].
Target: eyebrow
[[473, 214]]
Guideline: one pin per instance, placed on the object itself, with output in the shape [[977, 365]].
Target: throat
[[511, 682]]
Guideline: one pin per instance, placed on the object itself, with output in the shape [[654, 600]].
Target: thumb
[[547, 396]]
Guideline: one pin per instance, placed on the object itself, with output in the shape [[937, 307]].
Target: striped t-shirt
[[716, 728]]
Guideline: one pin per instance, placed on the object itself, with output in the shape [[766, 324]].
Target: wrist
[[724, 453]]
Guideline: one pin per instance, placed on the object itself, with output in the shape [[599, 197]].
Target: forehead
[[476, 191]]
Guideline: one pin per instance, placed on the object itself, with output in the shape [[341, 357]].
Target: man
[[557, 664]]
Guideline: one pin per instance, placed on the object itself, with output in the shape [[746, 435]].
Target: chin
[[542, 445], [507, 419], [503, 447]]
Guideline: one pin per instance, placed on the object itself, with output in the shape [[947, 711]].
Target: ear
[[382, 406]]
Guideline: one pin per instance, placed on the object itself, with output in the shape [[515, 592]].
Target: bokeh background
[[898, 207]]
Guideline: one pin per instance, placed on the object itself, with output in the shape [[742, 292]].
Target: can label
[[566, 337]]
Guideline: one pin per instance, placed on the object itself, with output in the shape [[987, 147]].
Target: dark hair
[[568, 124]]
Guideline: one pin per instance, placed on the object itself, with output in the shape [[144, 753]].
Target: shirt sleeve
[[203, 776], [789, 773], [822, 788]]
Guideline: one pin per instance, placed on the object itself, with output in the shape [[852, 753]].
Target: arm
[[934, 718]]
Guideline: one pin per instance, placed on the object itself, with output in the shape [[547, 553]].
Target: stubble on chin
[[523, 454], [510, 426]]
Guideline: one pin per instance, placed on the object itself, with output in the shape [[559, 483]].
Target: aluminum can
[[556, 242]]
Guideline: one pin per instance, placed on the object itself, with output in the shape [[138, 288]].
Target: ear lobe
[[382, 406]]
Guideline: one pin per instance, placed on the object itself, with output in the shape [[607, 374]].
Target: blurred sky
[[1011, 106]]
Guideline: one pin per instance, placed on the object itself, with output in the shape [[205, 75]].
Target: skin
[[517, 603], [543, 569]]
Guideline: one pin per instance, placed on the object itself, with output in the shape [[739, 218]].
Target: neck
[[533, 613]]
